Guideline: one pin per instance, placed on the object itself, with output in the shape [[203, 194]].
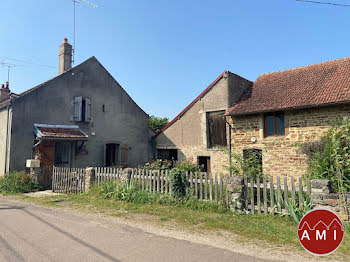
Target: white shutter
[[78, 103], [88, 117]]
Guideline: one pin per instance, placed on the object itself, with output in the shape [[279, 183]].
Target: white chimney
[[65, 56]]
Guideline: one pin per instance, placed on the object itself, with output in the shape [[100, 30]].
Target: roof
[[309, 86], [192, 103], [59, 132]]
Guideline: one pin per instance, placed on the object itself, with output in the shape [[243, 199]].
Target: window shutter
[[125, 156], [78, 101], [88, 117]]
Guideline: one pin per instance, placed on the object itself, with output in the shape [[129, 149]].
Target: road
[[33, 233]]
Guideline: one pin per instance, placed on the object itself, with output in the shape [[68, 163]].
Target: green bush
[[17, 182], [159, 164], [249, 166], [178, 182], [331, 158], [187, 166]]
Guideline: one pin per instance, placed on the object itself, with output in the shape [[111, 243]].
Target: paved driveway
[[32, 233]]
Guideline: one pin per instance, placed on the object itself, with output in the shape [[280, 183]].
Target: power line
[[27, 62], [323, 3]]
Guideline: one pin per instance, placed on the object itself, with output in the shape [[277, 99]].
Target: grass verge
[[272, 230]]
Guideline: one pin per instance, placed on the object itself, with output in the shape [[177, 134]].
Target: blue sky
[[164, 53]]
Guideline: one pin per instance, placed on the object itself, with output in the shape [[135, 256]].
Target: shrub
[[187, 166], [249, 166], [159, 164], [178, 182], [17, 182], [332, 161]]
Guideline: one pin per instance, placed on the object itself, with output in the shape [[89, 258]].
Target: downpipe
[[229, 145]]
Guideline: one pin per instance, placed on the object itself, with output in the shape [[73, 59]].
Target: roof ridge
[[305, 66]]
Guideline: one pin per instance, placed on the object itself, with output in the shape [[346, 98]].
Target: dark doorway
[[111, 151], [204, 163], [167, 154]]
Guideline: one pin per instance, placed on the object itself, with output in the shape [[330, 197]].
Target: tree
[[157, 123]]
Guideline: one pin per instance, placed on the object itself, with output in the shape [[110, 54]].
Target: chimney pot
[[2, 86], [65, 56], [7, 85]]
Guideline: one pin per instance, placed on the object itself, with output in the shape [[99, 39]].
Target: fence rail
[[262, 195]]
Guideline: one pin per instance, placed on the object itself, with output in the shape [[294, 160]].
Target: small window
[[82, 109], [216, 129], [274, 124], [204, 163]]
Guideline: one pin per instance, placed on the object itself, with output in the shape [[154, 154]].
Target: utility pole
[[74, 14]]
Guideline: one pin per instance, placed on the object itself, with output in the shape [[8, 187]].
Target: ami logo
[[320, 232]]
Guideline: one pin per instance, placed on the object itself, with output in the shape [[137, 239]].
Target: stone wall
[[280, 155], [321, 197]]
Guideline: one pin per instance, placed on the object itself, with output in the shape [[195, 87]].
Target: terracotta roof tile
[[60, 132], [308, 86]]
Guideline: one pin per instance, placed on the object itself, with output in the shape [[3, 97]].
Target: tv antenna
[[82, 2], [9, 66]]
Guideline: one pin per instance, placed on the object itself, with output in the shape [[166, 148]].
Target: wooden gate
[[68, 180]]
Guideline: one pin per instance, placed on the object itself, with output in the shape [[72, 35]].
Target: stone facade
[[189, 133], [280, 155]]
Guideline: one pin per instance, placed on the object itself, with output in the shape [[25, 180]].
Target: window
[[111, 154], [216, 129], [204, 163], [274, 124], [82, 109]]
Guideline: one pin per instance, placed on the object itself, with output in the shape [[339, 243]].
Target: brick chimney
[[65, 56], [4, 91]]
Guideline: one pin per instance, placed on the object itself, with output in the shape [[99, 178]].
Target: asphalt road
[[33, 233]]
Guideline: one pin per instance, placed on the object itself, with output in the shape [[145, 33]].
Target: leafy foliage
[[333, 160], [178, 182], [18, 182], [187, 166], [157, 123], [159, 164], [249, 166]]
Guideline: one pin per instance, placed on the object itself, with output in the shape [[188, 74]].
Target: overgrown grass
[[188, 214], [17, 182]]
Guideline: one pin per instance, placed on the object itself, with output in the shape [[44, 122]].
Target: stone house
[[287, 108], [199, 132], [82, 117]]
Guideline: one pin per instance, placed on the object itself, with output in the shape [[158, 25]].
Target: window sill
[[215, 149]]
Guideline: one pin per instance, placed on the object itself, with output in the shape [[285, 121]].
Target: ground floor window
[[204, 163], [111, 154], [167, 154]]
